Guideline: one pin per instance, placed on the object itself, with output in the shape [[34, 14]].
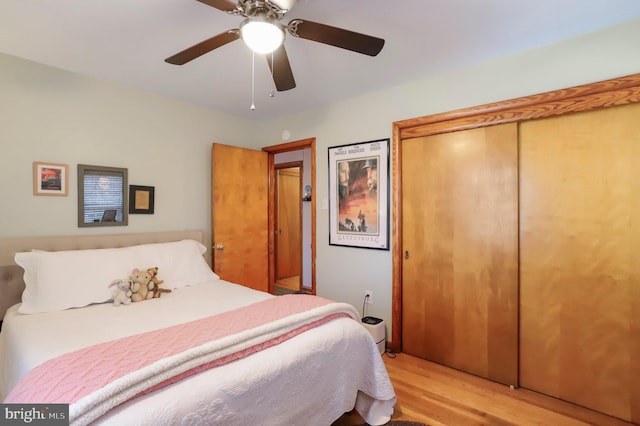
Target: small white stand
[[375, 327]]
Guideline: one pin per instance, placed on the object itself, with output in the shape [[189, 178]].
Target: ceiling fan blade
[[338, 37], [203, 47], [281, 69], [223, 5]]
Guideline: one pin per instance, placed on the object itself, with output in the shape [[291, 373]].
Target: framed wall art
[[141, 199], [102, 196], [50, 179], [359, 195]]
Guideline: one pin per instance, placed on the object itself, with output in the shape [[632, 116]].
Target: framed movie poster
[[359, 195]]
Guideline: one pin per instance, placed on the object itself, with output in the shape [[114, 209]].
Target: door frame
[[272, 151], [608, 93]]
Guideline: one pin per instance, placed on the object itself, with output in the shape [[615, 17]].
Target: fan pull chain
[[272, 92], [253, 80]]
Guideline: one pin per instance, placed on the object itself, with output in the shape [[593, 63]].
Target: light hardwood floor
[[437, 395], [290, 283]]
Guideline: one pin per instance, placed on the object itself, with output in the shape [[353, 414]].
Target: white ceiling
[[126, 41]]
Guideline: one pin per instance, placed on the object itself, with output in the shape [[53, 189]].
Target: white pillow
[[71, 279]]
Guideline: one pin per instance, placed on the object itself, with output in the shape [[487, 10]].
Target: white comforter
[[313, 378]]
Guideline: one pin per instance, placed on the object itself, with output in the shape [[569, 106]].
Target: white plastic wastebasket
[[375, 326]]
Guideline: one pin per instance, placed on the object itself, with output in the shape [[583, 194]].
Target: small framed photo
[[50, 179], [359, 195], [141, 199]]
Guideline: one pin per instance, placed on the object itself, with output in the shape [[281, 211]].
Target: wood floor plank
[[440, 396]]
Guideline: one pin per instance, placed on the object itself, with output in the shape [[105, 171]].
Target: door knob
[[217, 260]]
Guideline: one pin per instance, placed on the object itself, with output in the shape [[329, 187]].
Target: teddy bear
[[122, 293], [141, 286], [157, 291]]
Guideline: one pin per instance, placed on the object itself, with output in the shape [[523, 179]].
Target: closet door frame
[[619, 91]]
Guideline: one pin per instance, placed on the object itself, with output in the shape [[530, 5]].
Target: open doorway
[[284, 160], [288, 208]]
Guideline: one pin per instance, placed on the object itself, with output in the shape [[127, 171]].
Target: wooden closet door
[[460, 242], [580, 267]]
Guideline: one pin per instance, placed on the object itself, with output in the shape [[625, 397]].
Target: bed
[[210, 352]]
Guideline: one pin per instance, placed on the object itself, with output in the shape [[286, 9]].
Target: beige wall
[[51, 115], [345, 273]]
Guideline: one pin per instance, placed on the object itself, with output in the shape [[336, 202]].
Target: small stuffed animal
[[122, 293], [157, 291], [141, 285]]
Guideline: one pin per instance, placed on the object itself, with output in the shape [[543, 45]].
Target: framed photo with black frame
[[141, 199], [359, 195]]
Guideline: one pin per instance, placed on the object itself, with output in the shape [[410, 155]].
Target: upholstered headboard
[[11, 282]]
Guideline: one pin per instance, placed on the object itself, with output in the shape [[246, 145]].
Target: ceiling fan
[[263, 32]]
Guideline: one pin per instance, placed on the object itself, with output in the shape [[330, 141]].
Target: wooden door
[[240, 215], [580, 262], [289, 223], [460, 241]]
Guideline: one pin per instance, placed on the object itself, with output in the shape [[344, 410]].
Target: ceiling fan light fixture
[[261, 34]]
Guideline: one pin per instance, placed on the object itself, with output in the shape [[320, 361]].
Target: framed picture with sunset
[[50, 179], [359, 195]]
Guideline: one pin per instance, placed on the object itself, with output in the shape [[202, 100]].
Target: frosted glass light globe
[[261, 35]]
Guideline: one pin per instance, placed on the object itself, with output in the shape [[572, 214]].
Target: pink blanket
[[96, 379]]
